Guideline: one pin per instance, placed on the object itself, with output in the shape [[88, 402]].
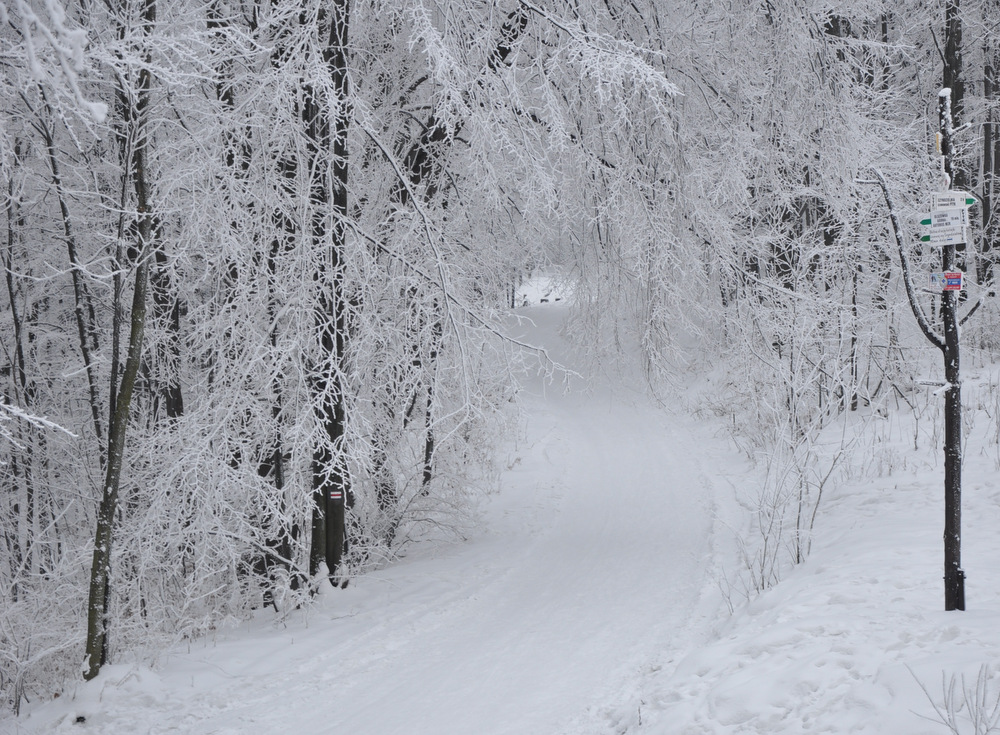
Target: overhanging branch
[[925, 326]]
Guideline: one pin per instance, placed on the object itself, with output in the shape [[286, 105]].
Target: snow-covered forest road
[[260, 257], [587, 573]]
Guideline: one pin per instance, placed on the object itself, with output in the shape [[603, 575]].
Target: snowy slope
[[856, 639]]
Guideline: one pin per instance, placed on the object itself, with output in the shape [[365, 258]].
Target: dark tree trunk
[[331, 485], [21, 472], [954, 577], [429, 441], [953, 72], [272, 459], [100, 571]]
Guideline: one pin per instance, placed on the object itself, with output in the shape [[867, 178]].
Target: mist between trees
[[258, 256]]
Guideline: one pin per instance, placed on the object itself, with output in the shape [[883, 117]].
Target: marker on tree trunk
[[953, 281]]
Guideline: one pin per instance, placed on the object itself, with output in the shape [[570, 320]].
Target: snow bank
[[856, 640]]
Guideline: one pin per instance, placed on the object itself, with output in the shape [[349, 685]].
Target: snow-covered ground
[[855, 640], [588, 602]]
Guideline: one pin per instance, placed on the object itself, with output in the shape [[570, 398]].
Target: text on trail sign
[[946, 235], [954, 217], [946, 226], [951, 199]]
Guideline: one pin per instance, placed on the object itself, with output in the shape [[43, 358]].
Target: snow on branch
[[440, 279], [925, 325], [610, 59], [613, 63], [10, 412], [48, 37]]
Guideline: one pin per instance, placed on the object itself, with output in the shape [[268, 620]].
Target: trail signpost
[[948, 228], [952, 200], [953, 217], [954, 575]]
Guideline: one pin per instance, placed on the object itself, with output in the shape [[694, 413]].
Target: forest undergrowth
[[899, 428]]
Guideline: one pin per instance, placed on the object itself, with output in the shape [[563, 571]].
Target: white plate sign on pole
[[951, 199], [943, 231], [946, 235], [956, 217], [937, 281]]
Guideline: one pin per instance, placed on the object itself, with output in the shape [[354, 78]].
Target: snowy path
[[587, 602], [588, 574]]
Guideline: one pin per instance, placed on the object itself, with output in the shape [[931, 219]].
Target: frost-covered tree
[[278, 269], [321, 209]]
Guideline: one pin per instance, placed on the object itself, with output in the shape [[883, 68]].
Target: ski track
[[590, 574]]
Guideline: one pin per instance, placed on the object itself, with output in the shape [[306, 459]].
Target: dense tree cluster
[[258, 256]]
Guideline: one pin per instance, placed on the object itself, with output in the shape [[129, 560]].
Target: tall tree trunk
[[331, 484], [952, 77], [237, 151], [954, 577], [15, 226], [991, 150], [429, 440], [954, 80], [100, 571], [20, 538], [951, 105]]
